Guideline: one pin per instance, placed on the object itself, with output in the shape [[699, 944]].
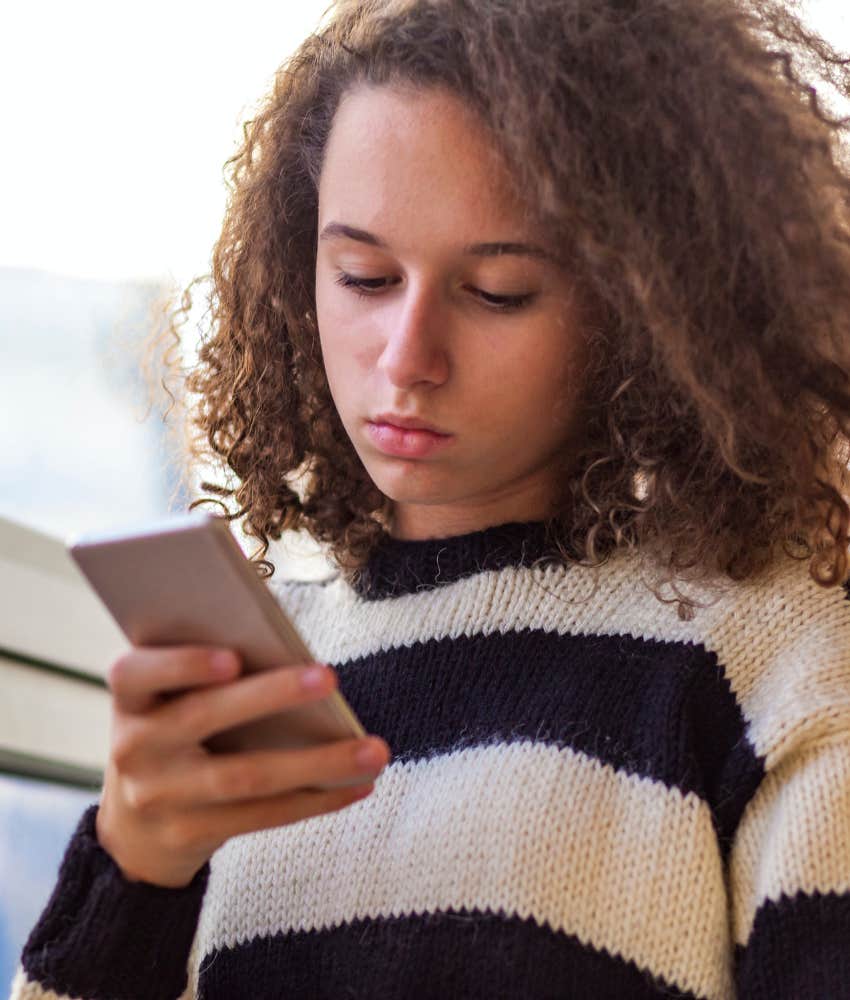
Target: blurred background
[[117, 121]]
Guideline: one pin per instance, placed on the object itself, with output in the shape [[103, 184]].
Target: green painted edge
[[21, 765], [71, 673]]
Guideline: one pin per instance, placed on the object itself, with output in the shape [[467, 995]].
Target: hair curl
[[699, 192]]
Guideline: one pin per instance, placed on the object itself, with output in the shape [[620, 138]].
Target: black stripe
[[663, 710], [408, 566], [799, 948], [101, 936], [437, 956]]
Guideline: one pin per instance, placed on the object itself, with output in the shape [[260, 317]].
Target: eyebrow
[[338, 230]]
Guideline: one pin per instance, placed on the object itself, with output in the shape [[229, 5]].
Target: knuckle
[[348, 753], [126, 746], [252, 783], [143, 797], [280, 683], [193, 661], [122, 756], [216, 654], [218, 782], [346, 765], [237, 779], [200, 660], [117, 671], [189, 713]]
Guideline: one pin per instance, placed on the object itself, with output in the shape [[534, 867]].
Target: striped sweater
[[588, 798]]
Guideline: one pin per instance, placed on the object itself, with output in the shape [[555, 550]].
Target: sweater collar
[[405, 566]]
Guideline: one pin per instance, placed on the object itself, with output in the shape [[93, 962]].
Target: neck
[[405, 565], [418, 522]]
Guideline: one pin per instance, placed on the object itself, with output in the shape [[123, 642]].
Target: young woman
[[535, 315]]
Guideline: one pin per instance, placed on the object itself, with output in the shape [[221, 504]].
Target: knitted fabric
[[588, 798]]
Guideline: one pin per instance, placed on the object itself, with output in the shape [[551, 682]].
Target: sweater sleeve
[[790, 879], [789, 865], [102, 937]]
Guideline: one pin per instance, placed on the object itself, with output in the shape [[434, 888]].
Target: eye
[[361, 286], [364, 287], [504, 303]]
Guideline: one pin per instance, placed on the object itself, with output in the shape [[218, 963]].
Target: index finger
[[141, 676]]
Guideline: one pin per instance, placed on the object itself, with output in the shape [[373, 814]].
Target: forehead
[[420, 158]]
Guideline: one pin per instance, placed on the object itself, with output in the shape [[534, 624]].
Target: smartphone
[[185, 579]]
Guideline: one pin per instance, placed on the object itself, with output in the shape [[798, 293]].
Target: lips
[[405, 442], [407, 423]]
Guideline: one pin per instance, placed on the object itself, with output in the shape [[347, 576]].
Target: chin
[[403, 489], [402, 494], [410, 480]]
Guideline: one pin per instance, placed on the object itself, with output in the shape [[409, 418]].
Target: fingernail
[[370, 755], [223, 663], [313, 677]]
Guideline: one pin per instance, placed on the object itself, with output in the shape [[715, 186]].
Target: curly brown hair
[[690, 176]]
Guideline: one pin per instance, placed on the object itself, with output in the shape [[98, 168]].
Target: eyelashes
[[367, 287], [362, 286]]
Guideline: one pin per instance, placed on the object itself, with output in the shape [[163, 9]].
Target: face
[[437, 301]]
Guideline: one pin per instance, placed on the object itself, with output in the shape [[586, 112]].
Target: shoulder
[[783, 642], [780, 641]]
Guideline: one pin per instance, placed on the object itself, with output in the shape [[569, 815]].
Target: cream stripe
[[24, 989], [621, 862], [784, 642], [795, 833]]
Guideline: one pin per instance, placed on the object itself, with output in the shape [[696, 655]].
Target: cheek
[[515, 406], [538, 393], [544, 384], [344, 360], [345, 356], [338, 311], [334, 329]]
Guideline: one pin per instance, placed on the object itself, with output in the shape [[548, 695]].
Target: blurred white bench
[[56, 643]]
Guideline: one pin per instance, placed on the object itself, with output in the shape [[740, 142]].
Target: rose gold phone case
[[186, 580]]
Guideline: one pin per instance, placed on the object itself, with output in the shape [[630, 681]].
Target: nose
[[415, 338]]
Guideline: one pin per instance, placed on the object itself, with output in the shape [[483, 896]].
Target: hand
[[168, 803]]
